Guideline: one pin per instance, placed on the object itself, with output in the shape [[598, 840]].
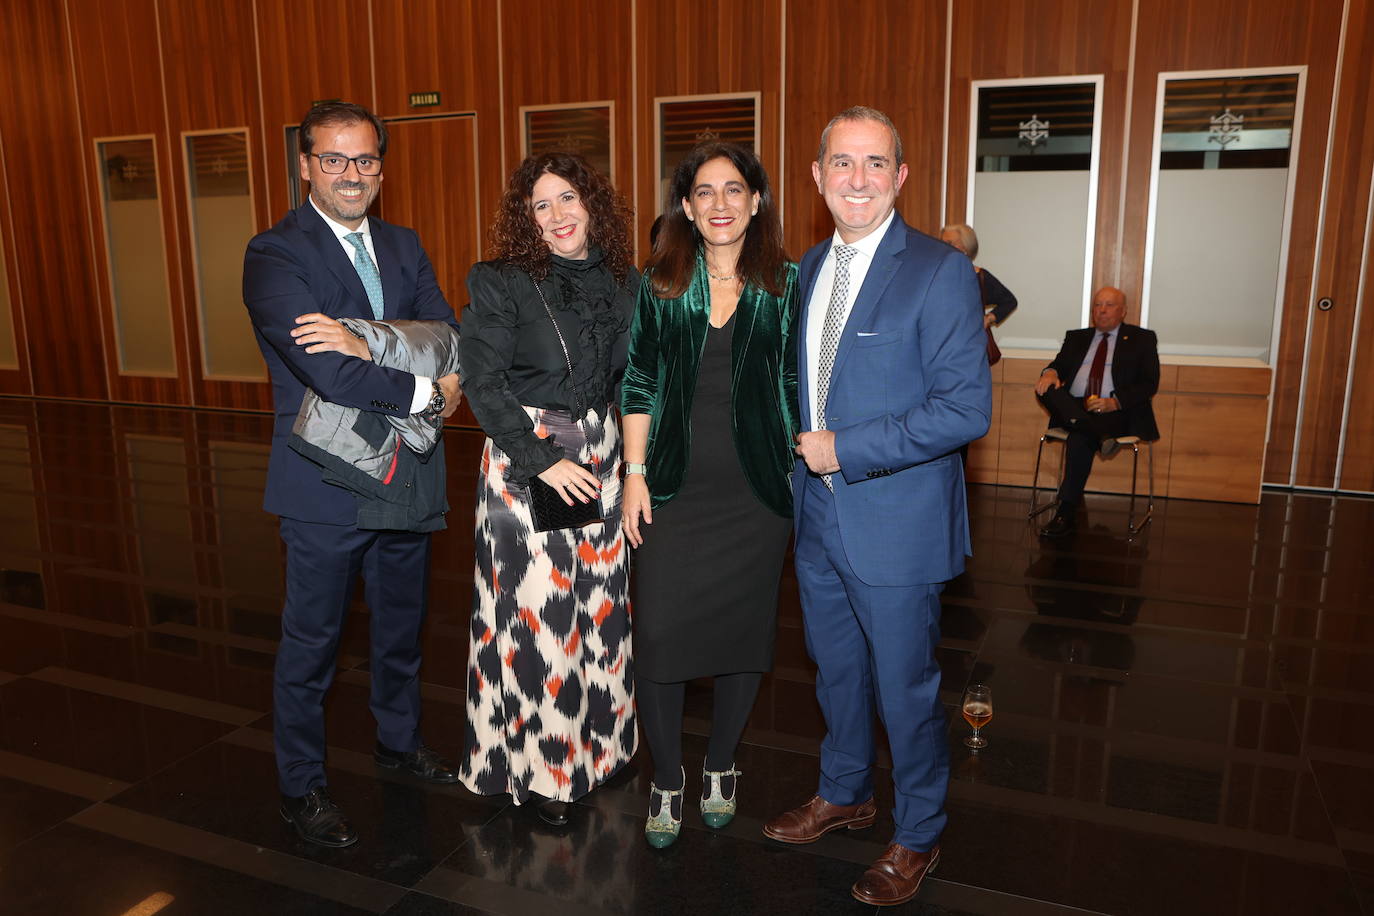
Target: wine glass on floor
[[977, 713]]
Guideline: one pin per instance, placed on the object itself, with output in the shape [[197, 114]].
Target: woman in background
[[710, 413], [998, 301]]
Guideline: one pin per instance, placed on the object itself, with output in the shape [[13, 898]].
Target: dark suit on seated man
[[326, 260], [1099, 387]]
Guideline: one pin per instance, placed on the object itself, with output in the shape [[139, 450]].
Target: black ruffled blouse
[[510, 354]]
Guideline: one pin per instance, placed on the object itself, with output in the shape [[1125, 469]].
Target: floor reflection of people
[[1061, 585], [585, 864]]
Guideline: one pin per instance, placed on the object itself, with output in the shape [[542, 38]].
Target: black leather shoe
[[317, 819], [1063, 523], [422, 763], [1109, 446], [553, 812]]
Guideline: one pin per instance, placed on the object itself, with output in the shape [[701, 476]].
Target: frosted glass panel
[[221, 202], [1032, 201], [9, 353], [1220, 212], [137, 255]]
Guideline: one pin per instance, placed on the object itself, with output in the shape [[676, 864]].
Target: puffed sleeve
[[486, 352]]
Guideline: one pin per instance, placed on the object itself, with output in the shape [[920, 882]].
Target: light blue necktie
[[367, 272]]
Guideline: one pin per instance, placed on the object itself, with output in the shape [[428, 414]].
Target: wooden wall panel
[[1355, 141], [446, 222], [209, 54], [447, 46], [1005, 39], [575, 51], [308, 50], [119, 93], [1226, 34], [889, 55], [49, 201], [709, 47], [1338, 272]]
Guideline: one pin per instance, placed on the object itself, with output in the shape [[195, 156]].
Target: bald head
[[1108, 308]]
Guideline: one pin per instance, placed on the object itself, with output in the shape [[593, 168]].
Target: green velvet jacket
[[666, 340]]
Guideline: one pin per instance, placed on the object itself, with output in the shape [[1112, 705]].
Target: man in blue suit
[[893, 380], [328, 259]]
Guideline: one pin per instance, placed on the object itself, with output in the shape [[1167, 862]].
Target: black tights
[[660, 715]]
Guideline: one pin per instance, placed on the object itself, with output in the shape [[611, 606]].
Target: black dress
[[705, 583]]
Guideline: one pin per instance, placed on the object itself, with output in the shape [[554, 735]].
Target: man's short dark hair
[[339, 113], [861, 113]]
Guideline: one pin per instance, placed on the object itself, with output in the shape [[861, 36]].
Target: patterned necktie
[[1099, 367], [830, 335], [367, 272]]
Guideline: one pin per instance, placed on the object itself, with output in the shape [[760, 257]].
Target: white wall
[[1032, 230], [1218, 234]]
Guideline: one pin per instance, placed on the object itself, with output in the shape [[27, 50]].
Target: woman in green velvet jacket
[[709, 406]]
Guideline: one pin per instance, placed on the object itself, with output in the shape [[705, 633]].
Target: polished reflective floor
[[1184, 721]]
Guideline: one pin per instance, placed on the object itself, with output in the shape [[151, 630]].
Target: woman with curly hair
[[550, 696]]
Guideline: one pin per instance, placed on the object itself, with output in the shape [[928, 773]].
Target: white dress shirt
[[1079, 388], [819, 303], [424, 386]]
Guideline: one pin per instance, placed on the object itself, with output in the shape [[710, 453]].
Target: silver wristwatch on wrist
[[437, 402]]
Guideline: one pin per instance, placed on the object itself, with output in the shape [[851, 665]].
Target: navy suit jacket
[[910, 386], [1135, 372], [297, 267]]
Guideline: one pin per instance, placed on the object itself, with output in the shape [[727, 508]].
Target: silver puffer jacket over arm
[[369, 441]]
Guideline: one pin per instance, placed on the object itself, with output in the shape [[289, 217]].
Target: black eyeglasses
[[334, 164]]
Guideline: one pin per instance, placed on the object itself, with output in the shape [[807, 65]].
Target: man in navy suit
[[893, 381], [1098, 404], [328, 259]]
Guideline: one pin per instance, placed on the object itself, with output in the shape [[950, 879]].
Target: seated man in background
[[1098, 387]]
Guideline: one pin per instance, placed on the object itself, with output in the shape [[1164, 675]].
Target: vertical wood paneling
[[48, 200], [705, 48], [575, 51], [1228, 34], [209, 55], [1355, 153], [1006, 39], [308, 50], [448, 46], [889, 55], [119, 91]]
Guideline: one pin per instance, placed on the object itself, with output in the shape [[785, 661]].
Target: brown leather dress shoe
[[896, 876], [816, 818]]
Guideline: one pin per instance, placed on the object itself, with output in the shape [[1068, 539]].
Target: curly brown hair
[[516, 238]]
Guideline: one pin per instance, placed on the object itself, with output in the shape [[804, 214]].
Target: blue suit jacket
[[910, 386], [297, 267]]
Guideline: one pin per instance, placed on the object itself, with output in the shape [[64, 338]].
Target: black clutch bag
[[550, 513], [547, 509]]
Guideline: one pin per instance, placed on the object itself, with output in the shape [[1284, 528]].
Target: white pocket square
[[868, 333]]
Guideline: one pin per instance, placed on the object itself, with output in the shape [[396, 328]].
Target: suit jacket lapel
[[389, 266], [811, 268], [886, 260], [331, 251]]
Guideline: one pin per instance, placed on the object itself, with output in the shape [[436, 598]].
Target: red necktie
[[1099, 366]]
